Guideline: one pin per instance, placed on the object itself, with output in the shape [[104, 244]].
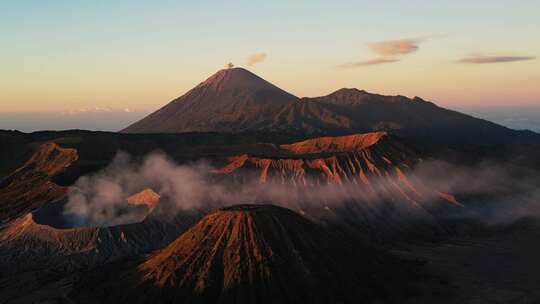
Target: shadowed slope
[[40, 243], [28, 248], [30, 186], [416, 119]]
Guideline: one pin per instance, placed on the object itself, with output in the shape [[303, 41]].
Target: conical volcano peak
[[237, 78], [230, 99], [244, 245]]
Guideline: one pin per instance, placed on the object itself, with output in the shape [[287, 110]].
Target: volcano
[[351, 182], [253, 254], [235, 100], [231, 100]]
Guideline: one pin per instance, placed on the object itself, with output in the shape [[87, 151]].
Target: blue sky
[[66, 55]]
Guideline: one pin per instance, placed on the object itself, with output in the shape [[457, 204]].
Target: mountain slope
[[230, 100], [30, 186], [417, 119], [235, 100], [252, 254]]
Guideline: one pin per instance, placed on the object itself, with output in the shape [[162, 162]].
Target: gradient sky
[[60, 56]]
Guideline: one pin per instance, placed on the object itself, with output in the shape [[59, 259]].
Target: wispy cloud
[[255, 58], [376, 61], [388, 51], [390, 48], [493, 59], [97, 109]]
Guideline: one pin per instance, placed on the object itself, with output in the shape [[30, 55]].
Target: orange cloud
[[376, 61], [494, 59], [256, 58], [388, 51], [391, 48]]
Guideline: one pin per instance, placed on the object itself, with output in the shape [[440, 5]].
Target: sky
[[77, 57]]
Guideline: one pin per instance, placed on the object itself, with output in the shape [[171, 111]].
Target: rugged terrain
[[54, 263], [35, 253], [30, 186], [351, 197], [354, 182], [39, 239]]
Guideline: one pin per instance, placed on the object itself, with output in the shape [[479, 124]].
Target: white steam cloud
[[100, 199]]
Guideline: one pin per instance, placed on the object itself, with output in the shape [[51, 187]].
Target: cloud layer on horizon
[[493, 59]]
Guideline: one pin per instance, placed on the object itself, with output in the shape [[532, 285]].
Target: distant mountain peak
[[349, 91], [236, 78], [229, 98], [236, 100]]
